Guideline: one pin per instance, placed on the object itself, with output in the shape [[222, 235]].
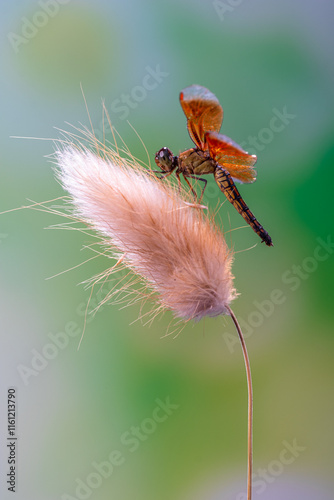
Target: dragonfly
[[214, 154]]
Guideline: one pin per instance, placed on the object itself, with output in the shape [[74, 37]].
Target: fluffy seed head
[[175, 248]]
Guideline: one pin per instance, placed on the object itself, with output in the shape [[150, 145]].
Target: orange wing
[[231, 156], [203, 112]]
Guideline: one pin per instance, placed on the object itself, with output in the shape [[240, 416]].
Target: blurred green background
[[76, 408]]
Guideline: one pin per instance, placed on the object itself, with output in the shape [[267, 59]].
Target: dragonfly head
[[165, 160]]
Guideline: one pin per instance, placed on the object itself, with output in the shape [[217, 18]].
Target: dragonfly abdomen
[[227, 186]]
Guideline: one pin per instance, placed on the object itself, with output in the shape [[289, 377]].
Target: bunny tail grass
[[250, 404], [179, 252]]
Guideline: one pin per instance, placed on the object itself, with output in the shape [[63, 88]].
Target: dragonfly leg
[[199, 179], [192, 189], [161, 175]]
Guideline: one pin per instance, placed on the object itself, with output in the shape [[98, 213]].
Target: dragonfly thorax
[[196, 162]]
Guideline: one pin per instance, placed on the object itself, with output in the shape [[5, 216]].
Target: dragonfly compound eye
[[164, 159]]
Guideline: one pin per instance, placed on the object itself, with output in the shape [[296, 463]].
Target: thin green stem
[[250, 405]]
